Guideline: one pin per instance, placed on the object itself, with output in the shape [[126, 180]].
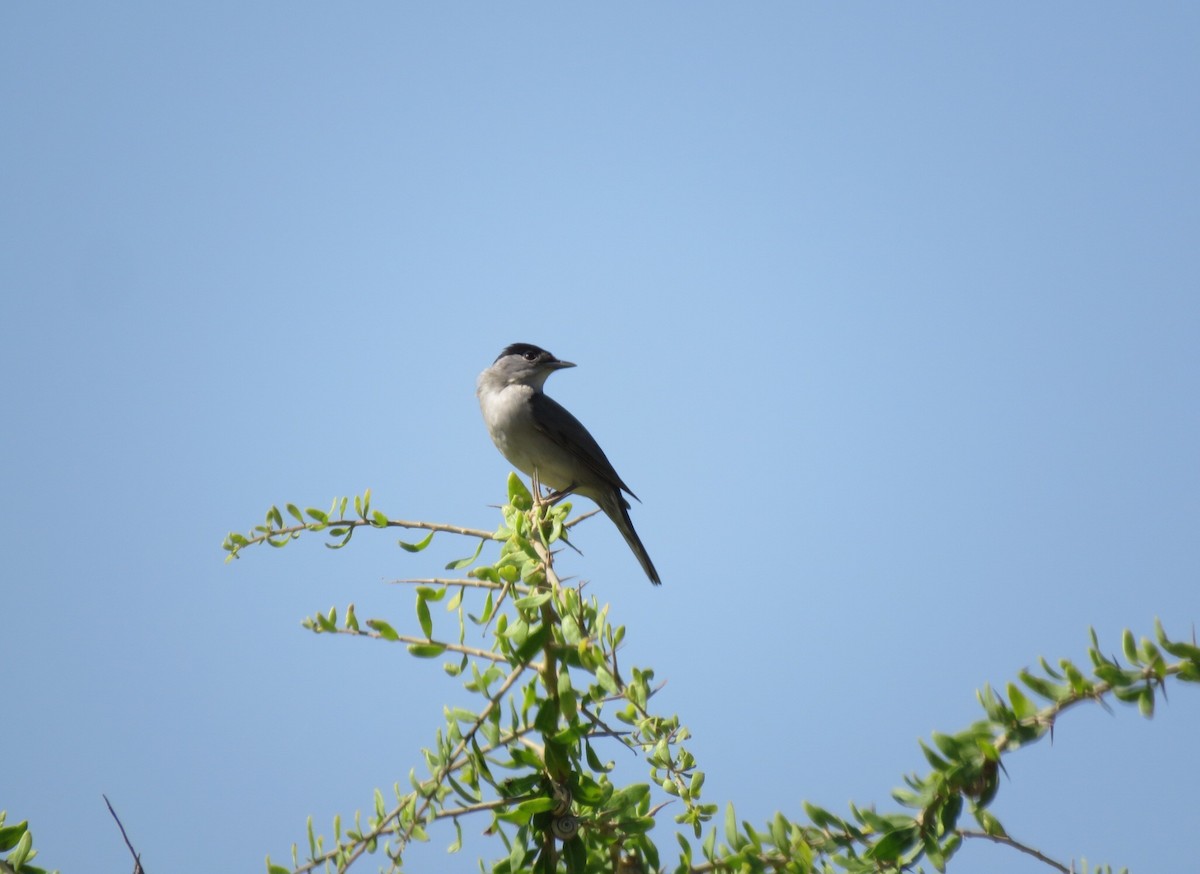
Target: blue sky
[[889, 314]]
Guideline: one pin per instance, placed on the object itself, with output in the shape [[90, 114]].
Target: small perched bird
[[546, 442]]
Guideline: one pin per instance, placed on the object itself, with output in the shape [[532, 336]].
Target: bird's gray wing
[[557, 423]]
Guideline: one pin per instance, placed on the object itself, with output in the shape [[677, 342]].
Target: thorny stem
[[276, 534], [444, 771], [1016, 845], [385, 825], [549, 668], [448, 582], [405, 638]]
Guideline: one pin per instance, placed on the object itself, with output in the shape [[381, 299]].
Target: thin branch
[[454, 812], [588, 515], [771, 860], [279, 536], [447, 582], [432, 526], [444, 771], [1016, 845], [387, 825], [137, 859], [1049, 715], [424, 641], [502, 742]]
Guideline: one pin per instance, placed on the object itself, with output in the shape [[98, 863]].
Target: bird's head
[[526, 364]]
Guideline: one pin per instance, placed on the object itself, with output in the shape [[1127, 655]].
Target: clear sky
[[889, 313]]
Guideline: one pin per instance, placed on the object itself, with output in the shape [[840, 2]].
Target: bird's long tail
[[617, 509]]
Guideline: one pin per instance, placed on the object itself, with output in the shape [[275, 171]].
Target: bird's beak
[[559, 365]]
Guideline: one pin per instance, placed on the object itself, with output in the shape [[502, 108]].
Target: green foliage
[[553, 702], [16, 845]]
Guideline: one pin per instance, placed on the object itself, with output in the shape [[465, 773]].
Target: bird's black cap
[[527, 350]]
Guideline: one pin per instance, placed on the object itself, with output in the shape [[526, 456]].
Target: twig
[[423, 641], [589, 514], [235, 543], [449, 582], [137, 859], [1016, 845]]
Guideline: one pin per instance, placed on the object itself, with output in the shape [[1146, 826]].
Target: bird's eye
[[531, 356]]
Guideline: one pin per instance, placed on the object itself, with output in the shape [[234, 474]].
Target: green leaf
[[423, 617], [950, 746], [460, 563], [588, 792], [1150, 653], [295, 513], [1146, 702], [686, 847], [317, 515], [935, 761], [894, 844], [606, 680], [779, 830], [575, 854], [993, 706], [487, 610], [1043, 687], [518, 495], [344, 533], [416, 547], [531, 645], [1128, 694], [933, 852], [1176, 648], [9, 835], [570, 630], [426, 650], [278, 869], [379, 519], [530, 602], [1079, 684], [989, 823], [521, 814], [1129, 647], [457, 845], [629, 797], [516, 856], [1113, 675], [636, 826], [593, 760], [385, 631], [732, 837], [18, 856], [820, 817], [950, 813], [1022, 707], [951, 846]]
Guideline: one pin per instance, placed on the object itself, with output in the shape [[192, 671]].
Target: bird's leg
[[554, 497], [549, 499]]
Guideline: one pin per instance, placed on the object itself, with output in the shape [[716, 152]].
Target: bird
[[544, 441]]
